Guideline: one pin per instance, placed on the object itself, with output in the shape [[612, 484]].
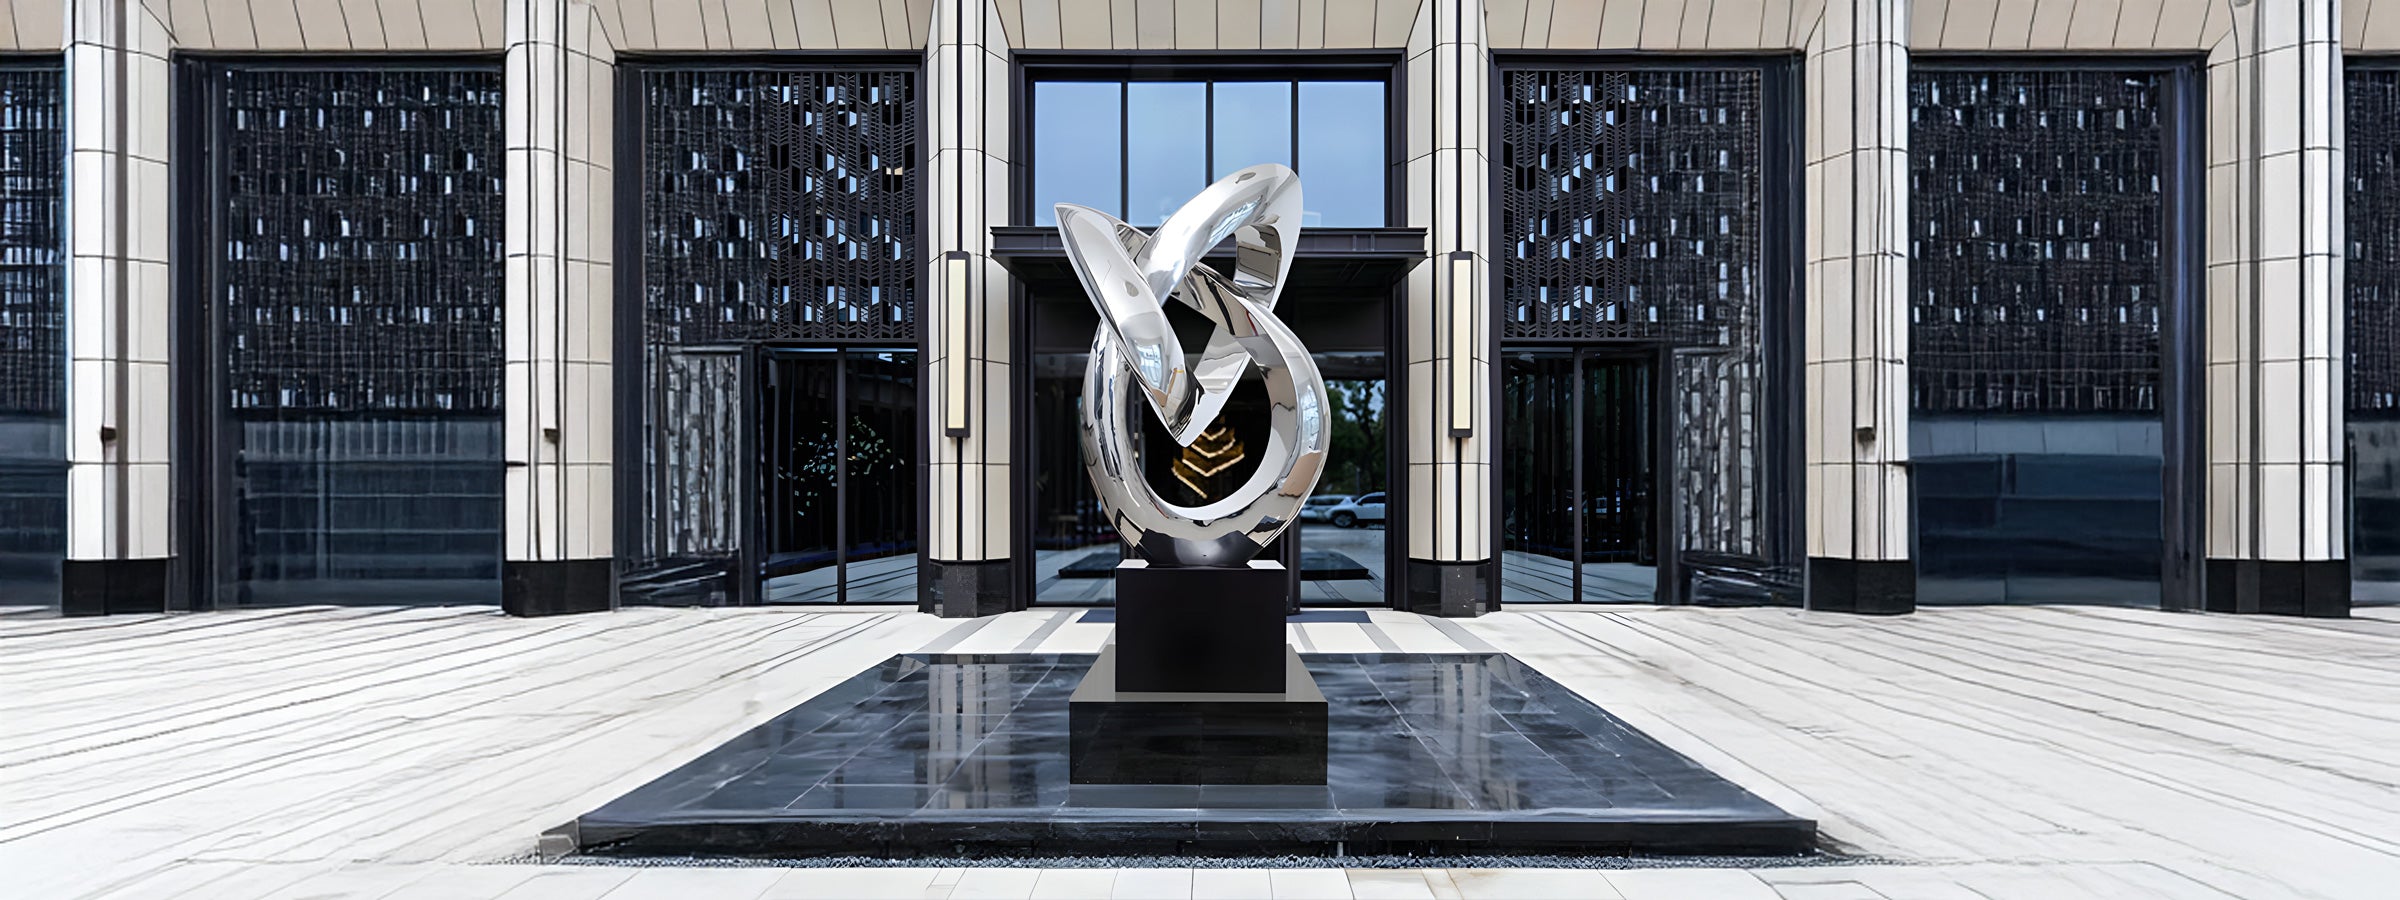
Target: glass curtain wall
[[2038, 281], [33, 449], [1138, 149], [353, 238], [1644, 288], [2373, 278], [772, 371]]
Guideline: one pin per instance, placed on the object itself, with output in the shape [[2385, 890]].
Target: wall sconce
[[958, 327], [1463, 289]]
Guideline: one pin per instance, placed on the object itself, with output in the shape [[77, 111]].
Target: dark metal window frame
[[2387, 64], [1781, 313], [204, 536], [2182, 339], [631, 316], [34, 520], [1389, 66], [1031, 67]]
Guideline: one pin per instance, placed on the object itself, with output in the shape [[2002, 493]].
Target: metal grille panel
[[779, 205], [32, 245], [1632, 209], [361, 245], [2373, 229], [356, 247], [2036, 216]]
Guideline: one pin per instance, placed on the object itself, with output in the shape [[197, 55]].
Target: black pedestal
[[1135, 737], [1201, 629], [1199, 686]]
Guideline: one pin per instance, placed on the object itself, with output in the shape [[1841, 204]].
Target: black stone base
[[1201, 629], [554, 587], [100, 587], [1125, 737], [1451, 590], [964, 590], [2313, 588], [1867, 587]]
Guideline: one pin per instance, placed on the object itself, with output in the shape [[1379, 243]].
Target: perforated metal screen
[[2036, 223], [779, 205], [351, 234], [2373, 228], [1634, 210]]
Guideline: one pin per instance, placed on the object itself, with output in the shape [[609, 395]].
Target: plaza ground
[[1977, 752]]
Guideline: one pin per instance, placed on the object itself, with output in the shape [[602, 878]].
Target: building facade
[[564, 305]]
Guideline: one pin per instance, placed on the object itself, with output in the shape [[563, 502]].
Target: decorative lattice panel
[[2036, 214], [1632, 208], [32, 251], [779, 205], [360, 251], [2373, 228]]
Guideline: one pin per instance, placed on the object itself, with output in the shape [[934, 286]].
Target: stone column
[[966, 91], [1857, 309], [1449, 307], [558, 426], [2277, 510], [121, 488]]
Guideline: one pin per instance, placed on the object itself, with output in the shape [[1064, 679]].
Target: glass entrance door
[[1339, 546], [1579, 484], [837, 476]]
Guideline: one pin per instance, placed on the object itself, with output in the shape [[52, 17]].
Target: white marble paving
[[1982, 752]]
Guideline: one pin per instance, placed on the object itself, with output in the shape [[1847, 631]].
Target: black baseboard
[[2318, 588], [554, 587], [1872, 587], [100, 587], [1451, 590], [965, 590]]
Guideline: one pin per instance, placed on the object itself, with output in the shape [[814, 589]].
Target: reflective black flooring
[[942, 754]]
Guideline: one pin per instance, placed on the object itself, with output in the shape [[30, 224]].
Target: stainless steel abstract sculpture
[[1129, 276]]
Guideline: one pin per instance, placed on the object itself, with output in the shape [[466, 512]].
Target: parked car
[[1357, 510], [1319, 508]]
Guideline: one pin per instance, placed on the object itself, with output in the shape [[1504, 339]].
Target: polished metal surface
[[1129, 275]]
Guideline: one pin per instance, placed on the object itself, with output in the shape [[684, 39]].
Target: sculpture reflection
[[1128, 275]]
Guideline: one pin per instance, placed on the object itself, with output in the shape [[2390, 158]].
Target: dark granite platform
[[942, 754]]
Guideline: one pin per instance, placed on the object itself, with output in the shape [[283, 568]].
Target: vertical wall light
[[958, 328], [1463, 292]]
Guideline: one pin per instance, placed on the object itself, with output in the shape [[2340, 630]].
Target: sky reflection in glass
[[1078, 147], [1139, 149], [1166, 147], [1341, 153]]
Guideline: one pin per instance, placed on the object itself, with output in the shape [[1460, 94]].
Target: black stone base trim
[[2317, 588], [1127, 737], [101, 587], [965, 590], [553, 587], [1451, 590], [1202, 628], [1874, 587]]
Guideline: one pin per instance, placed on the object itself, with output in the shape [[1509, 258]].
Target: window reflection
[[1253, 124], [1140, 149], [1166, 147], [1341, 148], [1078, 147]]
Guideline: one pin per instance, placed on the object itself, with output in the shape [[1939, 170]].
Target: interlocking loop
[[1128, 276]]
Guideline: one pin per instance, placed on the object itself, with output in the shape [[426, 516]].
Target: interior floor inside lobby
[[1959, 752]]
